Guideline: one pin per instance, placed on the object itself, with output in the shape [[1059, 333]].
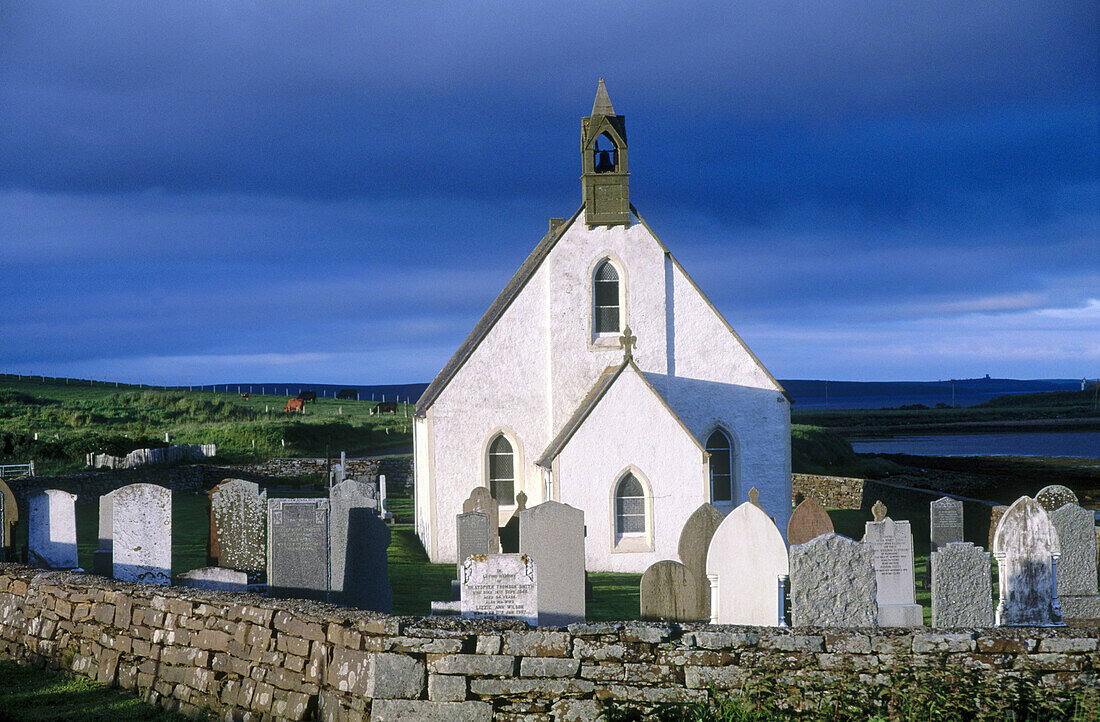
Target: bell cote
[[604, 177]]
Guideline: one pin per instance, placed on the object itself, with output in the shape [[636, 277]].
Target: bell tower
[[603, 159]]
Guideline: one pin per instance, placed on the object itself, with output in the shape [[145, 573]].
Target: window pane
[[607, 272], [632, 525], [500, 445], [607, 320], [630, 486], [722, 486], [721, 466], [503, 492], [607, 293], [500, 466]]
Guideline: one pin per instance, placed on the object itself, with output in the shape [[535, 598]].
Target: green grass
[[39, 695]]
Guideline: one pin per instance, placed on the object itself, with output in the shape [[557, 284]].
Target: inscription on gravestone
[[473, 535], [892, 543], [297, 548], [142, 534], [500, 585], [946, 521], [238, 510]]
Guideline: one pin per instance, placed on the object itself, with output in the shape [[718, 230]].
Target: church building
[[602, 377]]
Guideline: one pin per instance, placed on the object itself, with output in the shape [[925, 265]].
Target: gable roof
[[492, 315], [592, 400]]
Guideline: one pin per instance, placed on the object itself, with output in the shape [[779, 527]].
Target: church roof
[[592, 400]]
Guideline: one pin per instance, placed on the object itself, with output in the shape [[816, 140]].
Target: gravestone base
[[446, 609], [217, 579], [1080, 607], [900, 615]]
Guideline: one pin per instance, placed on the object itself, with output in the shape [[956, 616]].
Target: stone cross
[[754, 496], [627, 341], [879, 510]]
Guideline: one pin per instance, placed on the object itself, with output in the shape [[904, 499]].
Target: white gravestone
[[1077, 587], [745, 562], [552, 534], [962, 586], [1055, 496], [142, 534], [51, 529], [500, 585], [892, 542], [238, 512], [1027, 550], [946, 520]]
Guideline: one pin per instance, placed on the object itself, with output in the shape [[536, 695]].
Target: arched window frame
[[633, 541], [517, 463], [734, 465], [608, 338]]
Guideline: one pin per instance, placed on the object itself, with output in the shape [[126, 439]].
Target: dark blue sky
[[327, 192]]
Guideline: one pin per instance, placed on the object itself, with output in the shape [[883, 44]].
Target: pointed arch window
[[721, 467], [502, 471], [629, 507], [605, 296]]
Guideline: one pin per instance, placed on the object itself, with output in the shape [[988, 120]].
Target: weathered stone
[[238, 514], [892, 542], [446, 688], [833, 583], [1026, 547], [500, 585], [537, 643], [428, 711], [809, 520], [481, 500], [472, 529], [747, 556], [1055, 496], [946, 521], [995, 514], [669, 590], [215, 578], [297, 548], [552, 534], [141, 530], [51, 529], [358, 544], [692, 549], [1077, 582], [962, 586], [472, 664], [531, 687], [548, 667]]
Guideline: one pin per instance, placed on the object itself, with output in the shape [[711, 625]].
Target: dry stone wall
[[251, 658]]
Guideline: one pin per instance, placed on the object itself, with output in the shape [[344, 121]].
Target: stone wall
[[832, 492], [248, 657]]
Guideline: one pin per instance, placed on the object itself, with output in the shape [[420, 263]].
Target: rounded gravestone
[[808, 521], [668, 591], [1024, 545], [747, 555], [1055, 496], [694, 541]]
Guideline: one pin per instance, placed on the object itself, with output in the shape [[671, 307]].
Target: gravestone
[[238, 511], [833, 583], [9, 515], [141, 532], [746, 558], [668, 591], [552, 534], [509, 533], [358, 541], [1026, 548], [502, 586], [995, 515], [946, 519], [297, 548], [809, 520], [1077, 592], [218, 579], [692, 549], [51, 529], [472, 528], [892, 542], [102, 559], [481, 500], [962, 586], [1055, 496]]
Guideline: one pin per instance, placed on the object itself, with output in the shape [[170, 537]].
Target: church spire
[[604, 178]]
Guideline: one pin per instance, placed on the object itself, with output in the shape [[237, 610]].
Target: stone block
[[537, 643], [428, 711], [446, 688], [546, 688], [548, 667], [472, 664]]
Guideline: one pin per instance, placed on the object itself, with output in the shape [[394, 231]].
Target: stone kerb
[[239, 654]]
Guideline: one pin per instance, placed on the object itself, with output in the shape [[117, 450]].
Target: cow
[[351, 394], [295, 405], [387, 407], [307, 395], [244, 396]]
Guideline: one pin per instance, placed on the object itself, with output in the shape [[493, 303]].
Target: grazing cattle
[[295, 405], [244, 396], [387, 407], [307, 395], [351, 394]]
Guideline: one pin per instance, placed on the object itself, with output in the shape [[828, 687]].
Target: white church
[[602, 377]]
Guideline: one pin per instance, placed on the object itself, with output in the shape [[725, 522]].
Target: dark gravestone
[[297, 548], [509, 533], [808, 521], [481, 500], [692, 548], [9, 515], [3, 525], [366, 580], [946, 522], [668, 591], [473, 536], [103, 558]]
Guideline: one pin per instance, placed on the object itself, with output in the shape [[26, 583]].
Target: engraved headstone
[[481, 500], [809, 520], [1077, 588], [103, 558], [51, 529], [833, 583], [358, 545], [962, 586], [692, 549], [892, 542], [747, 555], [9, 515], [946, 519], [668, 591], [500, 585], [472, 528], [297, 548], [552, 534], [1055, 496], [218, 579], [1026, 548], [142, 534], [238, 511]]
